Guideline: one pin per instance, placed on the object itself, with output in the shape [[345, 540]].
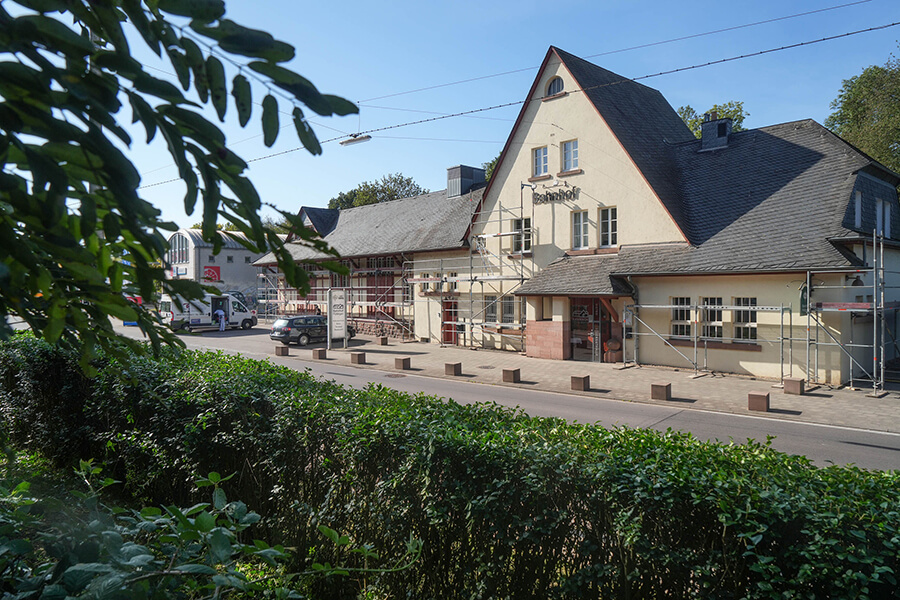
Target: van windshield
[[165, 306]]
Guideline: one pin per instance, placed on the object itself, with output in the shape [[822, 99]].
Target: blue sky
[[373, 53]]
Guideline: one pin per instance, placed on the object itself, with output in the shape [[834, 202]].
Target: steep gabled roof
[[229, 239], [424, 223], [643, 122], [323, 220], [775, 199]]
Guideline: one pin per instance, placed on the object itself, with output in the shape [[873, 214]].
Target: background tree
[[219, 226], [733, 110], [489, 167], [390, 187], [76, 237], [867, 112]]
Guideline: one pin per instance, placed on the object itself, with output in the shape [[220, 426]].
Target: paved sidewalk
[[715, 392]]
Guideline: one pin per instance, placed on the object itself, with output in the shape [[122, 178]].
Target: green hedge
[[507, 506]]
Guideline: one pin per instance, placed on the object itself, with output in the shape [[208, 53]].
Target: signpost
[[337, 316]]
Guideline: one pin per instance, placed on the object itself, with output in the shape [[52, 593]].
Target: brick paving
[[712, 392]]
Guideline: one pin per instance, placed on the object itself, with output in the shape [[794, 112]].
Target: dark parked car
[[302, 330]]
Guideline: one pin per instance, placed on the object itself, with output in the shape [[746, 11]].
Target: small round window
[[555, 87]]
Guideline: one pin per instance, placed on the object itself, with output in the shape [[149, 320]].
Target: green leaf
[[237, 39], [182, 70], [198, 65], [214, 477], [200, 10], [270, 120], [243, 99], [203, 131], [305, 133], [205, 522], [157, 87], [195, 569], [341, 106], [219, 498], [218, 89], [297, 85], [220, 546], [58, 36]]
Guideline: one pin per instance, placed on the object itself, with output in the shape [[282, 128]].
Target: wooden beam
[[609, 308]]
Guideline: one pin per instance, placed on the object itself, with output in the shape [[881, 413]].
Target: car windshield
[[281, 322]]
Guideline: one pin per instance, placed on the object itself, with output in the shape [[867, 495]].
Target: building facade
[[609, 233], [232, 269]]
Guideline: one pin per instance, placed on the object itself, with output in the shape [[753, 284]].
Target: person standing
[[220, 316]]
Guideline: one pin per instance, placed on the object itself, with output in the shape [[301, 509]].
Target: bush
[[507, 506]]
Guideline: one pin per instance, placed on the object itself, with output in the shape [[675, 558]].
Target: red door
[[448, 324]]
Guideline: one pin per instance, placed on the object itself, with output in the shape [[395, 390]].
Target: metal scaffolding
[[871, 304], [391, 291]]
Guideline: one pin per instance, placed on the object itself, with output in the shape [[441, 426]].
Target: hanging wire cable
[[641, 46], [586, 89]]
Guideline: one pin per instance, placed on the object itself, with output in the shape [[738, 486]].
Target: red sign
[[212, 273]]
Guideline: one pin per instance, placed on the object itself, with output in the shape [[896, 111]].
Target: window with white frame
[[555, 86], [883, 218], [508, 306], [711, 318], [211, 258], [681, 317], [745, 320], [609, 235], [436, 284], [570, 155], [540, 162], [340, 281], [522, 239], [452, 283], [580, 230], [490, 309]]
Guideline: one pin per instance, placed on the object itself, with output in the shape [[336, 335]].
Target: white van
[[200, 314]]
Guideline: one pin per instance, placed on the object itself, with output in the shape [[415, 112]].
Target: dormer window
[[555, 86]]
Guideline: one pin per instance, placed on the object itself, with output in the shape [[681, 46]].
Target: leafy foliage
[[732, 110], [390, 187], [77, 239], [867, 112], [58, 545], [506, 506], [489, 167]]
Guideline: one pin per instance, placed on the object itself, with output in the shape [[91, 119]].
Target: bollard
[[453, 369], [320, 353], [581, 383], [660, 391], [357, 358], [402, 363], [758, 401], [511, 376], [793, 385], [282, 351]]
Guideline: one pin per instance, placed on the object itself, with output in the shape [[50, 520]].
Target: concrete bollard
[[282, 351], [453, 369], [660, 391], [357, 358], [758, 401], [402, 363], [319, 353], [793, 385], [581, 383], [382, 341], [511, 376]]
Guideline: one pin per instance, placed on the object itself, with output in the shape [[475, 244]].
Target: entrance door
[[449, 315], [590, 329]]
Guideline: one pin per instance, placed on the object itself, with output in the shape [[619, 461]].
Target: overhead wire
[[638, 47], [585, 89]]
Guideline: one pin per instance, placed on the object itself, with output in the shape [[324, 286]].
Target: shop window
[[681, 317], [745, 320], [711, 318]]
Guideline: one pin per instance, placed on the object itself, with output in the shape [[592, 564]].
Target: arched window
[[555, 86], [178, 249]]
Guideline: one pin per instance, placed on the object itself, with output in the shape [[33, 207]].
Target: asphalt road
[[823, 444]]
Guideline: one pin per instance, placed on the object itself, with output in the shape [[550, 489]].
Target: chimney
[[714, 132], [461, 180]]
